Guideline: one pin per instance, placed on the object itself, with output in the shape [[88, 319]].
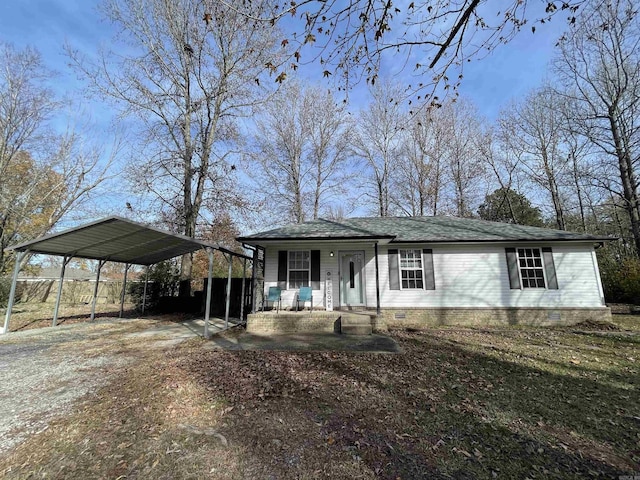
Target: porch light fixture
[[331, 253]]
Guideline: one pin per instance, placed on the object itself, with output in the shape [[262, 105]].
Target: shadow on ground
[[316, 342]]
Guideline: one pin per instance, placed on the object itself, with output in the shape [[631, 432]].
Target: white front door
[[351, 279]]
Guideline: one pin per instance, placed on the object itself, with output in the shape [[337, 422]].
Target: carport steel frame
[[110, 239]]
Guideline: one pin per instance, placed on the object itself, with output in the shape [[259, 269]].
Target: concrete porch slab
[[310, 342]]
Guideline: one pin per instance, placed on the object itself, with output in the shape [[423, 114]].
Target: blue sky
[[48, 24], [509, 72]]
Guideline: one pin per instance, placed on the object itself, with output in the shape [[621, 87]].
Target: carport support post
[[226, 310], [253, 281], [207, 308], [12, 293], [124, 289], [95, 290], [244, 278], [65, 262], [144, 292]]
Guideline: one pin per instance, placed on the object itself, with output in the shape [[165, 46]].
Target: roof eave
[[258, 240], [395, 240], [511, 240]]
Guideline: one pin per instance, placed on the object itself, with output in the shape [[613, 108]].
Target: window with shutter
[[531, 270], [299, 268], [411, 274], [531, 267]]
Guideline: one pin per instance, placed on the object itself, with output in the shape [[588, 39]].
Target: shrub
[[163, 282], [620, 276], [5, 287]]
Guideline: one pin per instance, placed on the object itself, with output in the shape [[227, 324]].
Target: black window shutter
[[427, 266], [315, 269], [394, 273], [512, 265], [549, 268], [282, 269]]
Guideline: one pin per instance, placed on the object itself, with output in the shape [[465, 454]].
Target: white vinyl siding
[[477, 276], [327, 263], [465, 276]]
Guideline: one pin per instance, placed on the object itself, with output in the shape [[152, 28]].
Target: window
[[531, 268], [411, 268], [299, 268]]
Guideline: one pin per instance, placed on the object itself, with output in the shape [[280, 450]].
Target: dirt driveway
[[45, 371]]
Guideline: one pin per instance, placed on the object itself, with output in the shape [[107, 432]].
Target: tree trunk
[[553, 189], [579, 193], [186, 268], [316, 199], [186, 264], [627, 178]]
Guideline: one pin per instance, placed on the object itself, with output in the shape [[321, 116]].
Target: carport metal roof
[[116, 239]]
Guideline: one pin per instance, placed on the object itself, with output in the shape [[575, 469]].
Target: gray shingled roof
[[417, 229]]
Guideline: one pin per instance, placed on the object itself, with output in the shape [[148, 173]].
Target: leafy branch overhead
[[351, 40]]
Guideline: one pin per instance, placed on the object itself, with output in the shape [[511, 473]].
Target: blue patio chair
[[275, 295], [305, 295]]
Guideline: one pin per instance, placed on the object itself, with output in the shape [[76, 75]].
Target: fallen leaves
[[457, 402]]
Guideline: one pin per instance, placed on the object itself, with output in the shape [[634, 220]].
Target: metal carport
[[117, 239]]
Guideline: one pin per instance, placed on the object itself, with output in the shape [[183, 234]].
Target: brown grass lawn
[[458, 403], [27, 316]]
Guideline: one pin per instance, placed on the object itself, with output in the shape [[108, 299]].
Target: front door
[[351, 279]]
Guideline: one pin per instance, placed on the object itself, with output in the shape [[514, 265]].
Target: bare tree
[[280, 149], [330, 136], [378, 141], [579, 151], [301, 145], [599, 65], [418, 180], [466, 170], [43, 174], [532, 132], [503, 168], [185, 70]]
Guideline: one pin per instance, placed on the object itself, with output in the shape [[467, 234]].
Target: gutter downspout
[[375, 247]]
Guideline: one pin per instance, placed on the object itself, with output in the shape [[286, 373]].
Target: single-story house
[[436, 270]]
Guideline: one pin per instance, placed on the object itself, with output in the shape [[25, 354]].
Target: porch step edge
[[354, 324]]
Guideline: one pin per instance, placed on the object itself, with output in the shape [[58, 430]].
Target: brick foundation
[[294, 322], [329, 322], [431, 317]]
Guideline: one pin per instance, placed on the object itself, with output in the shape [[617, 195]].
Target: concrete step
[[353, 324]]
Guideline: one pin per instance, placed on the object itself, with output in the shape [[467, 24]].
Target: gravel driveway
[[44, 372]]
